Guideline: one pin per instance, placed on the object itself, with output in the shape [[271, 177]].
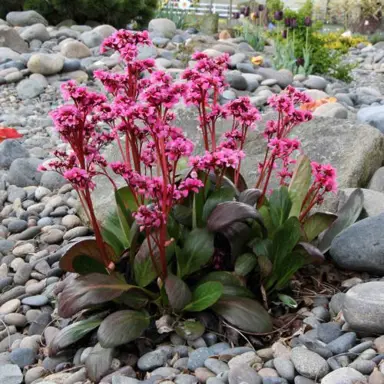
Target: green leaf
[[231, 290], [88, 291], [87, 247], [347, 215], [71, 334], [182, 215], [215, 198], [267, 220], [262, 247], [279, 206], [317, 223], [144, 270], [177, 291], [198, 250], [244, 313], [204, 296], [245, 264], [225, 278], [122, 327], [84, 265], [135, 298], [299, 184], [126, 204], [114, 235], [230, 212], [287, 300], [190, 330]]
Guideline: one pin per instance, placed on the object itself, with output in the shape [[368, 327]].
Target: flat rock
[[361, 246], [373, 115], [11, 39], [309, 364], [10, 374], [377, 181], [35, 32], [25, 18], [11, 150], [29, 88], [344, 376], [363, 307], [243, 374], [373, 201], [335, 110]]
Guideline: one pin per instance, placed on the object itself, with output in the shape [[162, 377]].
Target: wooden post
[[230, 10]]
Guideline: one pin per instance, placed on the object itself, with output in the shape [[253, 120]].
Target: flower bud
[[307, 21], [293, 23], [300, 62], [287, 22], [278, 15], [284, 34], [261, 7], [247, 11]]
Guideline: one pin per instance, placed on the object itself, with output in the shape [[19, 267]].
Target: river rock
[[29, 88], [164, 27], [45, 64], [24, 173], [11, 150], [75, 50], [10, 374], [25, 18], [11, 39], [373, 115], [373, 201], [361, 246], [35, 32], [344, 376], [377, 181], [309, 364], [363, 307], [335, 110]]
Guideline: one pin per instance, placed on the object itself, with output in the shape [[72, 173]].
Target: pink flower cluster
[[280, 147]]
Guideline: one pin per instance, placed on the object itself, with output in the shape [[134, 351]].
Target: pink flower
[[148, 217], [79, 178], [282, 103], [178, 148]]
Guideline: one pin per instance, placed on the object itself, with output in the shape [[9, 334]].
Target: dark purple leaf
[[178, 292], [316, 255], [250, 196], [87, 291]]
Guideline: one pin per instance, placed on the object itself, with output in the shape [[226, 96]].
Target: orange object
[[313, 105], [9, 133], [257, 60]]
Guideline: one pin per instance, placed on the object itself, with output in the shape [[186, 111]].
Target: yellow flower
[[257, 60]]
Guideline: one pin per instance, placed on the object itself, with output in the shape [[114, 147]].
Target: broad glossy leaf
[[280, 206], [225, 278], [190, 329], [232, 290], [315, 255], [285, 239], [177, 291], [245, 263], [204, 296], [262, 247], [241, 183], [287, 300], [215, 198], [238, 235], [71, 334], [126, 204], [143, 267], [114, 235], [317, 223], [86, 247], [87, 291], [246, 314], [144, 270], [299, 184], [197, 251], [230, 212], [134, 298], [267, 220], [347, 215], [265, 265], [122, 327], [182, 214], [250, 196], [84, 265]]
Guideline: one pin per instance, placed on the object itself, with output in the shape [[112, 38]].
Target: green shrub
[[115, 12]]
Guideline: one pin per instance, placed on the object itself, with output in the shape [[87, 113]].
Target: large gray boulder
[[372, 115], [11, 39], [355, 150], [363, 307], [361, 246], [25, 18]]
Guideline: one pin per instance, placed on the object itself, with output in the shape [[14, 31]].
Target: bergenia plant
[[162, 252]]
